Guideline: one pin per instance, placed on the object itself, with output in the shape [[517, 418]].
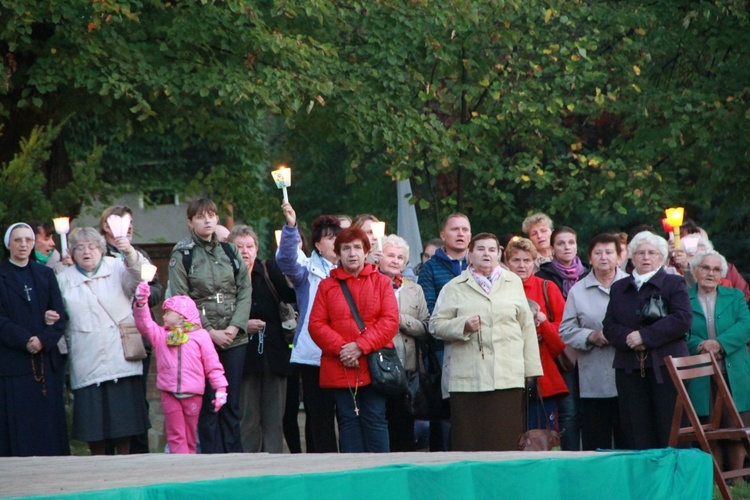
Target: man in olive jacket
[[217, 280]]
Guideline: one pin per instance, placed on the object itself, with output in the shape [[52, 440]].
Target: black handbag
[[386, 371], [287, 312], [653, 310], [425, 393]]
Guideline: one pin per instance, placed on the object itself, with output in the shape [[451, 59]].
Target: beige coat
[[412, 324], [510, 345]]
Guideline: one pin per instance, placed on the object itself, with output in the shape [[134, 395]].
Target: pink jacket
[[183, 368]]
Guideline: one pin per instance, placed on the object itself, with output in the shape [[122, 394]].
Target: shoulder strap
[[232, 256], [550, 314], [352, 306], [269, 282], [187, 261]]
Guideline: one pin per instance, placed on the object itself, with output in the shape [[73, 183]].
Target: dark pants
[[400, 424], [220, 432], [538, 412], [600, 424], [567, 413], [440, 429], [291, 427], [646, 407], [365, 430], [320, 412]]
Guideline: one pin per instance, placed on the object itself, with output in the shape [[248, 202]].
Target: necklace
[[40, 377], [356, 388], [481, 342]]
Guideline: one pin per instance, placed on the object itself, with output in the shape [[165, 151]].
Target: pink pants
[[181, 421]]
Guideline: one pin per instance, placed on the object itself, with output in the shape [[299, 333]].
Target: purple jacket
[[663, 338]]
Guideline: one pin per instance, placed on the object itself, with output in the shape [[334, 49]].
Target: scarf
[[486, 282], [569, 274], [640, 279], [178, 334], [41, 258], [397, 281]]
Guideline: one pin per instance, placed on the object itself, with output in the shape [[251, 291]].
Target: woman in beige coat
[[491, 348], [412, 325]]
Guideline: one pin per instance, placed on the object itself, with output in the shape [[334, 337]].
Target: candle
[[674, 219], [378, 231], [277, 233], [62, 227], [283, 178], [148, 271]]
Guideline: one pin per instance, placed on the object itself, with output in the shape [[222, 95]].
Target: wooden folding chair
[[704, 365]]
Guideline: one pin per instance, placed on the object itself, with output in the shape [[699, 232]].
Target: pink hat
[[184, 306]]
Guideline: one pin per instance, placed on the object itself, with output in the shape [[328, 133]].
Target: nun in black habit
[[32, 369]]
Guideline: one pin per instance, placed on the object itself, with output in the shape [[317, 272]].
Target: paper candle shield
[[378, 229], [62, 225], [119, 225], [282, 177], [148, 271]]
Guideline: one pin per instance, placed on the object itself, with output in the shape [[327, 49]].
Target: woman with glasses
[[97, 291], [721, 325], [647, 318]]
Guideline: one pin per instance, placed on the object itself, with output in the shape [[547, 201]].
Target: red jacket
[[332, 324], [551, 345]]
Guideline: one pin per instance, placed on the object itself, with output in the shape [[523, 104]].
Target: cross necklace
[[27, 289]]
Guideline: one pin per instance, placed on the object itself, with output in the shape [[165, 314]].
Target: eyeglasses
[[710, 270], [650, 253]]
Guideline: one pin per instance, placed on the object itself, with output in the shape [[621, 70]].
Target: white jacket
[[93, 336]]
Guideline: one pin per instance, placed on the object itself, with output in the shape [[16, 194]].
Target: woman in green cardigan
[[721, 325]]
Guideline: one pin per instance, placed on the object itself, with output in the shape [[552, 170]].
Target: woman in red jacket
[[520, 257], [343, 365]]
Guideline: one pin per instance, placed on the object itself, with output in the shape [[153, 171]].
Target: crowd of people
[[527, 332]]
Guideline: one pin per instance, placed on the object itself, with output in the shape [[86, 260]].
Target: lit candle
[[283, 178], [378, 231], [148, 271], [674, 219], [277, 233], [62, 227]]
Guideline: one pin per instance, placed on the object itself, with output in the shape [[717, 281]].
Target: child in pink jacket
[[185, 358]]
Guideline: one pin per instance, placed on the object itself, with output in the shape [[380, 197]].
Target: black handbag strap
[[269, 282], [550, 314], [352, 306]]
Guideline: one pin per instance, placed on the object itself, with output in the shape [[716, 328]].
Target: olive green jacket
[[221, 299]]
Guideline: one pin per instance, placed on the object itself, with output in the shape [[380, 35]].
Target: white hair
[[652, 239], [698, 261], [394, 240]]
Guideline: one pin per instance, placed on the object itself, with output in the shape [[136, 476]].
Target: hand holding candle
[[62, 227], [674, 219], [283, 178], [378, 231]]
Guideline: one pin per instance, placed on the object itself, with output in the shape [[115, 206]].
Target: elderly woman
[[491, 348], [520, 256], [412, 325], [263, 390], [97, 292], [32, 371], [343, 366], [581, 328], [306, 275], [647, 318], [721, 325]]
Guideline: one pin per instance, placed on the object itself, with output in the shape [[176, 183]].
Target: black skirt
[[110, 410]]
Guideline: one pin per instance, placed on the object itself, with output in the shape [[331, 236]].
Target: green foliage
[[604, 112]]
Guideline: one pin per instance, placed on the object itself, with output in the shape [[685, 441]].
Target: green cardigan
[[733, 333]]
